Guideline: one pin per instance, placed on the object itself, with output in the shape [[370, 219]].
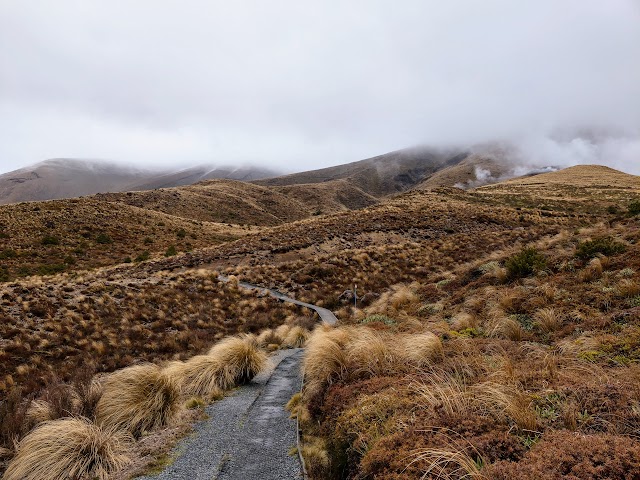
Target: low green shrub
[[103, 239], [8, 253], [50, 240], [143, 256], [600, 245], [525, 263]]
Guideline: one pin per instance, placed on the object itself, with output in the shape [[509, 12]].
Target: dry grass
[[421, 350], [296, 337], [199, 376], [447, 464], [137, 399], [69, 448], [232, 361], [368, 353], [268, 337], [325, 359], [450, 394], [240, 359], [548, 319], [502, 326], [315, 455]]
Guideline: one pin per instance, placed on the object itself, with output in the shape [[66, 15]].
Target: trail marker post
[[355, 296]]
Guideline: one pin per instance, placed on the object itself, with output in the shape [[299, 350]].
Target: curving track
[[249, 434]]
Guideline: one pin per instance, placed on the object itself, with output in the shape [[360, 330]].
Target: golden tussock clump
[[332, 353], [137, 399], [325, 359], [548, 319], [316, 457], [420, 350], [240, 359], [268, 337], [447, 463], [198, 376], [398, 299], [369, 352], [282, 331], [39, 411], [69, 448], [502, 326], [296, 337], [453, 396]]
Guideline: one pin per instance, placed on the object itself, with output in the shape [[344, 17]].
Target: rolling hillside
[[230, 201]]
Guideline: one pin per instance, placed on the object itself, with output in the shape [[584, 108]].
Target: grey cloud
[[300, 85]]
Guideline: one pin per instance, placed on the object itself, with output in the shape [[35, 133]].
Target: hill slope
[[39, 238], [581, 187], [69, 178], [231, 201], [66, 178], [382, 175]]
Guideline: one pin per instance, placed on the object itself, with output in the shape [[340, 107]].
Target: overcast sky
[[304, 84]]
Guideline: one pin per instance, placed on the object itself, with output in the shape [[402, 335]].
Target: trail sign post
[[355, 296]]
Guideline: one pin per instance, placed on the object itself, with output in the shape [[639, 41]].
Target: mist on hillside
[[291, 87]]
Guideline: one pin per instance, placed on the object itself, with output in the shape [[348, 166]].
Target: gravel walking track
[[248, 435]]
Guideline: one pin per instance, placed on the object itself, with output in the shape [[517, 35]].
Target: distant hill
[[69, 178], [589, 187], [382, 175], [475, 170], [232, 201], [593, 176], [198, 174]]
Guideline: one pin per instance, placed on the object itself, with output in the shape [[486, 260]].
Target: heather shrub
[[525, 263], [103, 239], [575, 456], [601, 245]]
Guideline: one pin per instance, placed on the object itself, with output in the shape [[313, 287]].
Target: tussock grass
[[447, 464], [450, 394], [548, 319], [268, 337], [69, 448], [239, 359], [325, 359], [361, 351], [199, 376], [369, 353], [137, 399], [281, 332], [230, 362], [296, 337], [316, 457], [505, 327], [421, 350], [39, 411]]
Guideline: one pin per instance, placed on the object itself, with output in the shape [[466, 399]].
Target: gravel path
[[326, 315], [249, 433]]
